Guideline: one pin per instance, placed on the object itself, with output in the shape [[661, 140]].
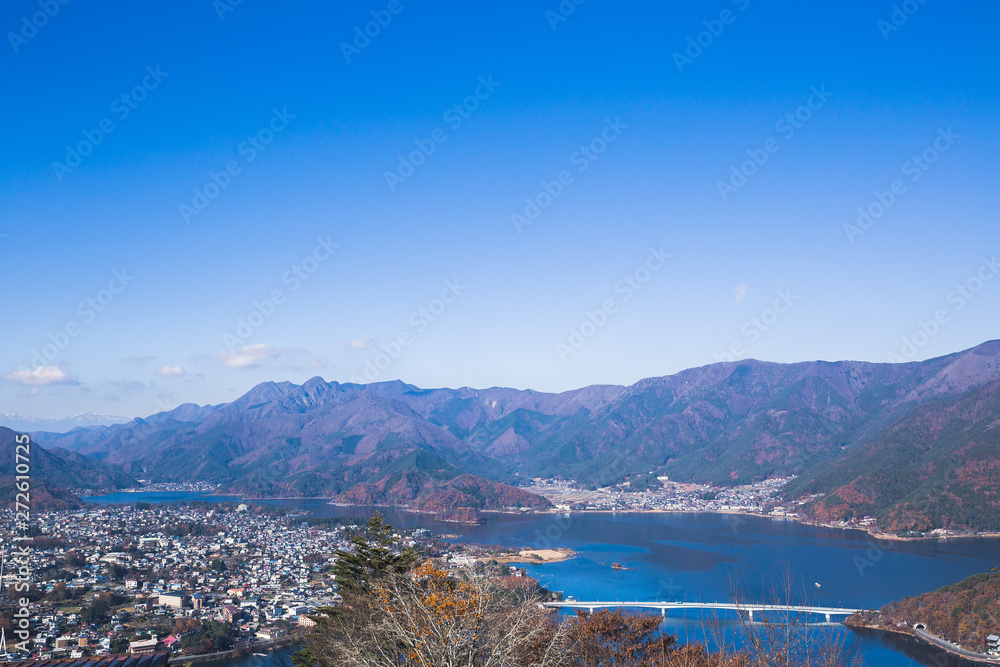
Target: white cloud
[[246, 357], [360, 343], [170, 371], [40, 376], [742, 290]]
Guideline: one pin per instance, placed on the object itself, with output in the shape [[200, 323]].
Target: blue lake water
[[157, 497], [703, 557]]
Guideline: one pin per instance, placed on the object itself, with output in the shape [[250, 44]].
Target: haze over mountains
[[847, 429], [56, 475], [25, 423]]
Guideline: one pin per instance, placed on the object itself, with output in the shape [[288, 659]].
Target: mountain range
[[845, 429], [23, 423], [55, 475]]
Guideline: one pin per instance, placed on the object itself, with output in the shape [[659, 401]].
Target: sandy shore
[[534, 556]]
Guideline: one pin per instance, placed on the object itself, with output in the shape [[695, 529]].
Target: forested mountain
[[728, 423], [939, 467], [965, 613], [55, 474]]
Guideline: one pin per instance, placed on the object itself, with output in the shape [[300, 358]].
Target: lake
[[701, 557]]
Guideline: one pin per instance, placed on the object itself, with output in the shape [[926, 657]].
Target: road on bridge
[[664, 606]]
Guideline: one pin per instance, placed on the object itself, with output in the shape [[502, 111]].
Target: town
[[193, 579], [663, 495], [216, 577], [196, 579]]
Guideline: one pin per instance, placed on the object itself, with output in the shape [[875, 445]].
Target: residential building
[[175, 600], [144, 646], [230, 612]]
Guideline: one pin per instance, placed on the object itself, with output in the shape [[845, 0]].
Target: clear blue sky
[[660, 132]]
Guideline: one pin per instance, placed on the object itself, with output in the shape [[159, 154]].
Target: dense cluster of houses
[[664, 496], [262, 573]]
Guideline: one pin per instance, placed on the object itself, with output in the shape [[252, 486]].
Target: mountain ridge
[[25, 423], [56, 475], [725, 423]]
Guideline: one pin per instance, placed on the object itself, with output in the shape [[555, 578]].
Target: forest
[[964, 613]]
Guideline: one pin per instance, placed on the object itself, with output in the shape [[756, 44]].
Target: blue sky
[[264, 151]]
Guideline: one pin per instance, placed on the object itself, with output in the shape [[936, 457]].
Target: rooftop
[[148, 660]]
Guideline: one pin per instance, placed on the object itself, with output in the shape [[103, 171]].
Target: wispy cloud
[[144, 359], [246, 357], [128, 386], [742, 291], [42, 375], [170, 371], [360, 343], [301, 365]]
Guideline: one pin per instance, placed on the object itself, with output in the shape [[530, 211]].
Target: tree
[[398, 611], [100, 607], [780, 638], [372, 559], [616, 638], [209, 636], [59, 592], [97, 611], [73, 559], [428, 618]]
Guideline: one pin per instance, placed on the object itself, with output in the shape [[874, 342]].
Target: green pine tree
[[372, 559]]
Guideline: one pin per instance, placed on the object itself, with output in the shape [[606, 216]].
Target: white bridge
[[749, 609]]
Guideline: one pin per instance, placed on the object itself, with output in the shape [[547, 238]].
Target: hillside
[[63, 468], [317, 439], [939, 467], [964, 613], [727, 423], [55, 474]]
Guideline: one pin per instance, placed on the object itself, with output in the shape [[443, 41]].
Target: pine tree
[[372, 559]]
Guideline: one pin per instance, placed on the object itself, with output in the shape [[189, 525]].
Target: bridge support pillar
[[663, 612], [828, 618], [750, 612]]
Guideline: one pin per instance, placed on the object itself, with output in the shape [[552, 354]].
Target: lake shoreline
[[879, 536], [804, 522], [877, 629], [682, 555]]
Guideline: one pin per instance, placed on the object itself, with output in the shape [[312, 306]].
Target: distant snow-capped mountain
[[21, 422]]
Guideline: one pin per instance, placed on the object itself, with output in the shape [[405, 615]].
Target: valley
[[911, 448]]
